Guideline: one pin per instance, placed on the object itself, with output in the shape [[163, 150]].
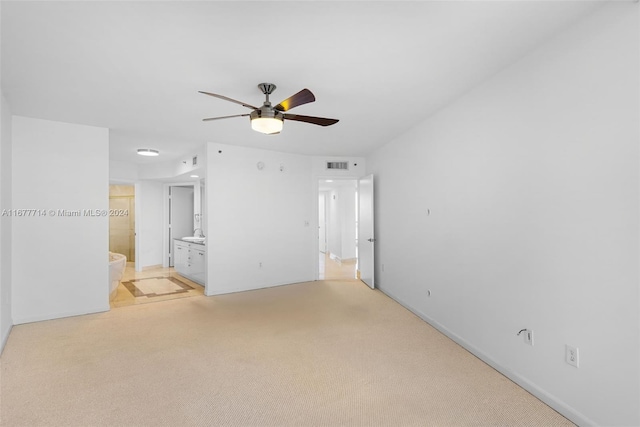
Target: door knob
[[371, 240]]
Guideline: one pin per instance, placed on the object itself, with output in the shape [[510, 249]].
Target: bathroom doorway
[[122, 234], [337, 229], [181, 214]]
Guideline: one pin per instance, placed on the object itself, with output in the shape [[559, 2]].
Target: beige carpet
[[313, 354]]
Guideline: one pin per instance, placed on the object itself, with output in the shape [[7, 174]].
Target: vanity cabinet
[[190, 260], [197, 263]]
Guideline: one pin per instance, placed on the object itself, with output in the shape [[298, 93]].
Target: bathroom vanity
[[190, 260]]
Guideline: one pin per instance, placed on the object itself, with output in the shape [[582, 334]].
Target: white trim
[[236, 290], [5, 338], [136, 224], [165, 216], [136, 214], [317, 180], [551, 400], [52, 316]]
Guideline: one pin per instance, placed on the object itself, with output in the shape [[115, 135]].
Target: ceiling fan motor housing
[[266, 112]]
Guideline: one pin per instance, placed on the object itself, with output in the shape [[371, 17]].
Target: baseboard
[[52, 316], [560, 406], [151, 267], [4, 339], [341, 261], [236, 290]]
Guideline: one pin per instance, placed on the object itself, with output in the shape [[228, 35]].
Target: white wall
[[122, 172], [334, 222], [150, 207], [323, 217], [59, 263], [357, 167], [532, 183], [347, 196], [166, 170], [342, 220], [5, 222], [259, 216]]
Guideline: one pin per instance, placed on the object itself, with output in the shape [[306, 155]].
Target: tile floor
[[153, 285], [161, 284]]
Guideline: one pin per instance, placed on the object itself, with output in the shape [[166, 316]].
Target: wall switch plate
[[528, 337], [571, 355]]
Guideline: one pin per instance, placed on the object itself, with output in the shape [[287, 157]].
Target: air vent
[[338, 165]]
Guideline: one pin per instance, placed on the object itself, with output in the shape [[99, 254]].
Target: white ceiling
[[379, 67]]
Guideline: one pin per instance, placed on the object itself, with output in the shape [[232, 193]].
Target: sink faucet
[[201, 234]]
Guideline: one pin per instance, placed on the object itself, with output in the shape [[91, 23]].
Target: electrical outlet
[[572, 355], [528, 337]]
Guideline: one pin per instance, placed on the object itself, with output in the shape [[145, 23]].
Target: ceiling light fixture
[[267, 121], [193, 176], [148, 152]]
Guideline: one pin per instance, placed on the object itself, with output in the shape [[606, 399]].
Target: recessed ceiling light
[[329, 180], [148, 152], [193, 176]]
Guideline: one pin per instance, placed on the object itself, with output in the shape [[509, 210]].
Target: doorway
[[122, 234], [181, 214], [337, 229]]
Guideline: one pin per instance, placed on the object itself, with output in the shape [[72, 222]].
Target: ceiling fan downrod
[[267, 89]]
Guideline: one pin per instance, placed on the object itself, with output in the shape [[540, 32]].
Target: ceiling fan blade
[[215, 95], [303, 97], [224, 117], [321, 121]]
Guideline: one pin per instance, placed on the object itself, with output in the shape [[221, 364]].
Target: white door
[[322, 223], [180, 215], [366, 239]]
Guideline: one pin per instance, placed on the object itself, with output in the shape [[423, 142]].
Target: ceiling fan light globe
[[267, 125]]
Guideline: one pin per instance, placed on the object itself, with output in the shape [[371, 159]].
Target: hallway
[[334, 270]]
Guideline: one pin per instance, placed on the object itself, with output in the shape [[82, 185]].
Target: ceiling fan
[[268, 119]]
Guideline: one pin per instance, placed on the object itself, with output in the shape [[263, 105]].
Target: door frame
[[136, 212], [166, 244], [366, 230], [323, 195], [318, 180]]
